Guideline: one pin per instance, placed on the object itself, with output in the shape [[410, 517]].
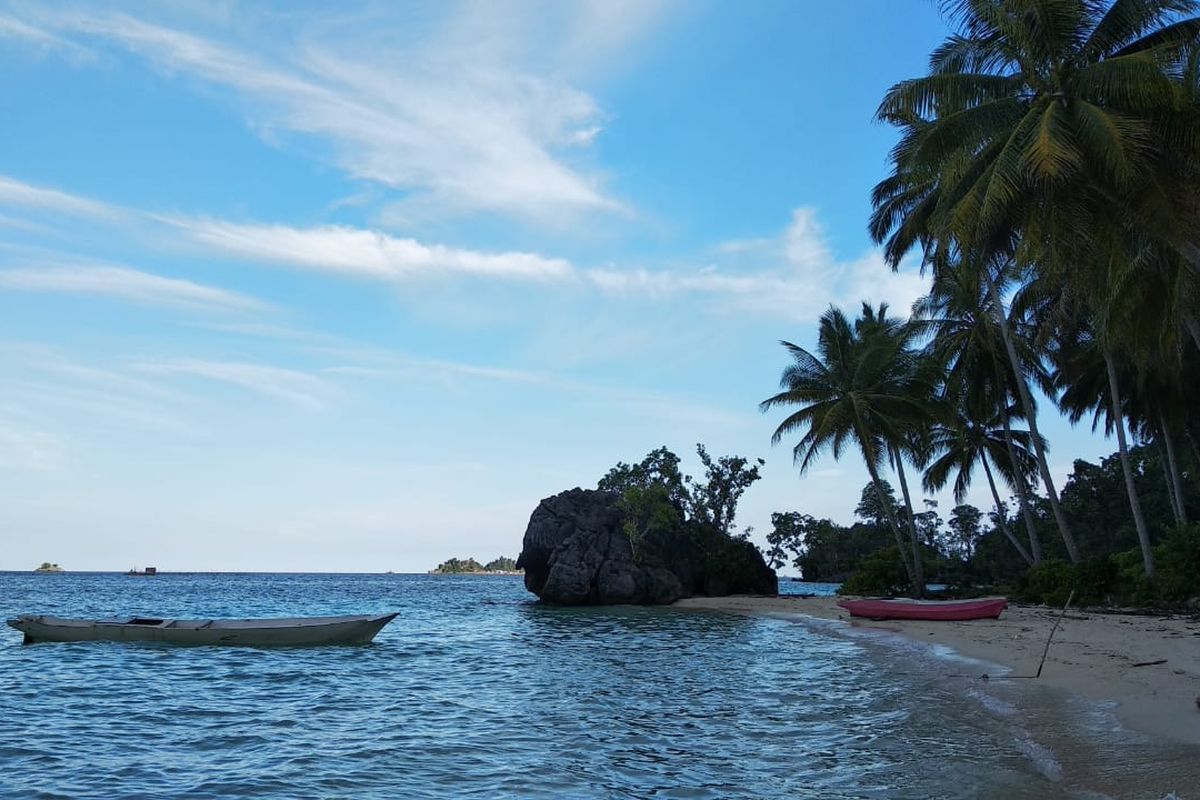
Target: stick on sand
[[1050, 638]]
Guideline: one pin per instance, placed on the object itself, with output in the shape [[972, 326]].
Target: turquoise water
[[476, 691]]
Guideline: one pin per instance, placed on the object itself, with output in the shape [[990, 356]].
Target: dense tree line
[[1045, 177]]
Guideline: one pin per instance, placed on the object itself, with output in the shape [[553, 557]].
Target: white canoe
[[281, 632]]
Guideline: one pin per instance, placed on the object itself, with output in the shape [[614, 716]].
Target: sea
[[478, 691]]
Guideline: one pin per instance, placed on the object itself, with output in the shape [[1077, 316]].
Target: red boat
[[989, 608]]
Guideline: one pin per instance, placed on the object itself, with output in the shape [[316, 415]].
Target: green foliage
[[1178, 561], [714, 502], [647, 511], [660, 504], [456, 565], [1049, 582], [1119, 579], [459, 566], [1178, 576], [659, 469], [880, 574]]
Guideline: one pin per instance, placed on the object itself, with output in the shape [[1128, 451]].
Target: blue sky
[[352, 287]]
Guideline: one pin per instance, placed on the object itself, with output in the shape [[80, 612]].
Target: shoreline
[[1092, 655]]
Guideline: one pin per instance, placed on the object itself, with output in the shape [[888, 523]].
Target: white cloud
[[15, 29], [465, 124], [802, 279], [296, 387], [366, 253], [27, 196], [127, 284]]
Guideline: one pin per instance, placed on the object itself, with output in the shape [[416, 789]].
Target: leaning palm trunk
[[1135, 505], [1171, 498], [918, 567], [1022, 488], [887, 507], [1001, 515], [1027, 404], [1176, 480]]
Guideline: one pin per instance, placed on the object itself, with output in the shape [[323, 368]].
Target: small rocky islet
[[577, 551]]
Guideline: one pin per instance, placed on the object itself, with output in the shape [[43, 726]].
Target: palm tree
[[1091, 378], [1034, 115], [958, 316], [969, 439], [857, 388]]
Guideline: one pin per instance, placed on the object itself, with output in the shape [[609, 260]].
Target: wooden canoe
[[280, 632], [949, 610]]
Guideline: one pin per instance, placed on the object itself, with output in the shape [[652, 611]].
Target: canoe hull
[[947, 610], [291, 632]]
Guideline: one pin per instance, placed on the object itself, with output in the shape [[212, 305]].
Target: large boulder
[[576, 552]]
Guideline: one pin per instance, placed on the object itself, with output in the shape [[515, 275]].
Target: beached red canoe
[[989, 608]]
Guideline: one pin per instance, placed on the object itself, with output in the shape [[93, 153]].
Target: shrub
[[1177, 570], [880, 573], [1049, 582]]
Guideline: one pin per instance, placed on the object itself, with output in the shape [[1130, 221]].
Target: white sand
[[1091, 654]]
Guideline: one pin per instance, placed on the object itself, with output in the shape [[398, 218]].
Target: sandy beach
[[1094, 655]]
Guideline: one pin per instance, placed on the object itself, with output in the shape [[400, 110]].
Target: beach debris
[[1149, 663], [1049, 638]]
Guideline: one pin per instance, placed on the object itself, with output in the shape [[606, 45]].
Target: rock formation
[[577, 552]]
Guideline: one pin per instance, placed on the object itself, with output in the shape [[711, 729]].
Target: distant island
[[48, 567], [457, 566]]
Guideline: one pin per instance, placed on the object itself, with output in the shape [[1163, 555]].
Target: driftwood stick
[[1050, 638], [1149, 663]]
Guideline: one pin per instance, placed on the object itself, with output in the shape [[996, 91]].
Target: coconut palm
[[1033, 116], [1091, 375], [971, 438], [857, 389], [964, 338]]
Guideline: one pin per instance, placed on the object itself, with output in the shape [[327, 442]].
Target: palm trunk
[[1027, 403], [1171, 498], [1176, 482], [892, 522], [918, 566], [873, 469], [1001, 514], [1135, 505], [1022, 489]]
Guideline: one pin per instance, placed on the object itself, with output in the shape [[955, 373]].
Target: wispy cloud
[[128, 284], [794, 275], [365, 253], [15, 29], [294, 386], [459, 120], [15, 193]]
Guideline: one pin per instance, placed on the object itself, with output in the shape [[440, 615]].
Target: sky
[[351, 287]]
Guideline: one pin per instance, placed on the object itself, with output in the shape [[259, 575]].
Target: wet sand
[[1104, 657]]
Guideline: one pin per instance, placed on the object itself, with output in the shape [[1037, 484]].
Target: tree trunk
[[1022, 490], [1031, 416], [1171, 498], [887, 509], [918, 566], [1195, 454], [1135, 505], [1173, 470], [1001, 514]]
